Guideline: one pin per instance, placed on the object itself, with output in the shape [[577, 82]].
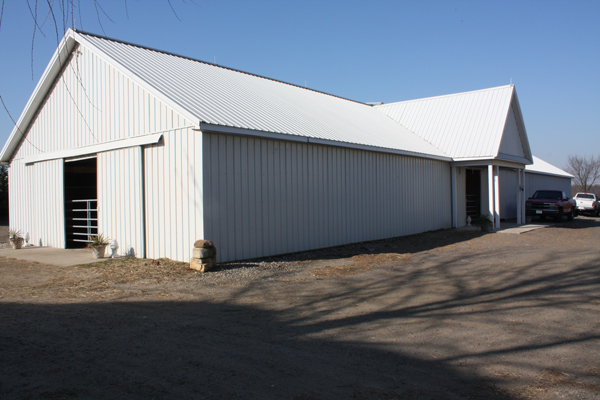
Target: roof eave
[[55, 66], [210, 127], [549, 174]]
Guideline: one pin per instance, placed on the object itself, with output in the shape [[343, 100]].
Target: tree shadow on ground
[[143, 350], [525, 311]]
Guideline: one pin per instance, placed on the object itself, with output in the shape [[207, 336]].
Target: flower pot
[[16, 243], [486, 227], [98, 251]]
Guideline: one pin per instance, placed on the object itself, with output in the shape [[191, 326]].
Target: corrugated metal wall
[[120, 199], [509, 187], [535, 182], [173, 187], [265, 197], [20, 199], [37, 201], [91, 103]]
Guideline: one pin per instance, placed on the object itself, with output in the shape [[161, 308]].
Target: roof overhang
[[484, 162], [566, 176], [54, 68], [96, 148]]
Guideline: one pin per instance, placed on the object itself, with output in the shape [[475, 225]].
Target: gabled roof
[[540, 166], [483, 124], [219, 97]]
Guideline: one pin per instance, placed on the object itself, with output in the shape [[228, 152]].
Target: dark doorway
[[473, 192], [81, 202]]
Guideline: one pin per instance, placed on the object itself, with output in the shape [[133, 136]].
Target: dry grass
[[129, 269]]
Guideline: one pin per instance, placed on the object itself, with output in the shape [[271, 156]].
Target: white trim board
[[97, 148]]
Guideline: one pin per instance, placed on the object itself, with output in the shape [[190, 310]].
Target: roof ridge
[[213, 65], [448, 95]]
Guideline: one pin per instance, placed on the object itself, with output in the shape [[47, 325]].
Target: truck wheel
[[558, 217], [571, 215], [596, 212]]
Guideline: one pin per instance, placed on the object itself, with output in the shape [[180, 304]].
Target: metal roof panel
[[463, 125], [540, 166], [222, 96]]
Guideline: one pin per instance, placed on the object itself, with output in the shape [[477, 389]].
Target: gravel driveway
[[441, 315]]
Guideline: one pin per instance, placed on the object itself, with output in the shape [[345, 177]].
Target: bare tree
[[586, 171]]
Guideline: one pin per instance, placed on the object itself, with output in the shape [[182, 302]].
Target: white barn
[[169, 150]]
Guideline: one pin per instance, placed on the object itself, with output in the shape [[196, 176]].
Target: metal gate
[[85, 219]]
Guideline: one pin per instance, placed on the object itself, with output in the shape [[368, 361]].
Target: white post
[[519, 197], [491, 209], [497, 197], [454, 202]]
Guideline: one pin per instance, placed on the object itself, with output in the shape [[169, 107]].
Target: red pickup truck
[[550, 203]]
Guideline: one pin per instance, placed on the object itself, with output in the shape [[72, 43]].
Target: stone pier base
[[204, 256]]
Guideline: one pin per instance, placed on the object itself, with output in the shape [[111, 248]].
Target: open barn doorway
[[473, 192], [81, 201]]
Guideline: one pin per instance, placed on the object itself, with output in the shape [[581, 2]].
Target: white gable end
[[511, 143], [91, 103]]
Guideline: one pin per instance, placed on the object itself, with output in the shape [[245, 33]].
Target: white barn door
[[48, 226], [120, 201]]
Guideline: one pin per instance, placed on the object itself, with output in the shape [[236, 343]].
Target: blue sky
[[363, 50]]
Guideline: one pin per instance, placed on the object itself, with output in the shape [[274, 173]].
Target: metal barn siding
[[90, 103], [20, 198], [173, 195], [509, 185], [37, 206], [535, 182], [264, 197], [120, 197]]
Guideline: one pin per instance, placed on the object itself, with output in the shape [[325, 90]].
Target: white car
[[587, 202]]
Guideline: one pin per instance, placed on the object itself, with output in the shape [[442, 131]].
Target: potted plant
[[98, 243], [484, 222], [16, 240]]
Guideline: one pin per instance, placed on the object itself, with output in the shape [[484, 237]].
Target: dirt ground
[[441, 315]]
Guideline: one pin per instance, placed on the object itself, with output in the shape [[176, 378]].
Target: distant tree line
[[586, 173]]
